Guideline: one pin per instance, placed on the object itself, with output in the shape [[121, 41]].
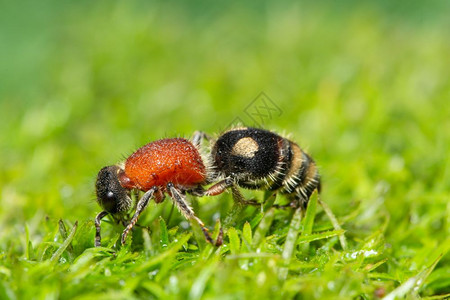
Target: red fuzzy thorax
[[174, 160]]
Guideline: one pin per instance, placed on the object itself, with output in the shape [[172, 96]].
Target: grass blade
[[308, 222], [199, 284], [164, 236], [335, 223], [63, 232], [318, 236], [246, 237], [235, 242], [290, 243], [65, 244], [263, 227], [413, 283], [169, 252]]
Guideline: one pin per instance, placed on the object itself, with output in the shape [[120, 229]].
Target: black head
[[111, 196], [247, 153]]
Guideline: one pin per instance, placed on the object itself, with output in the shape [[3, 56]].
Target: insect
[[171, 166], [254, 158]]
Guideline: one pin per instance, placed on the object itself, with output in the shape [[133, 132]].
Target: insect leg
[[217, 188], [141, 205], [98, 220], [188, 213]]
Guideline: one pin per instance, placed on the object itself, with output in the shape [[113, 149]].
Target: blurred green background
[[363, 86]]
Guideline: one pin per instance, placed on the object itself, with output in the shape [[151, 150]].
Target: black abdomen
[[260, 159]]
